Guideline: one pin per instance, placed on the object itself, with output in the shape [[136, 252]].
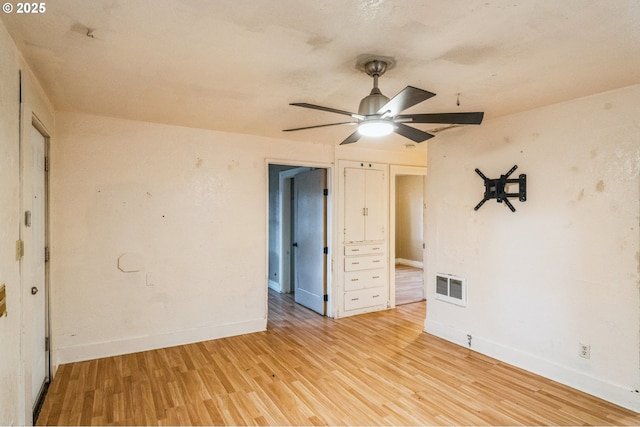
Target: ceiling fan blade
[[352, 138], [413, 134], [453, 118], [407, 97], [331, 110], [320, 126]]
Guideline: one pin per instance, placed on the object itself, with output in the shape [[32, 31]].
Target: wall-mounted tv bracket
[[495, 188]]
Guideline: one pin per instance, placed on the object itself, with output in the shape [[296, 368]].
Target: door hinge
[[46, 254], [325, 191], [46, 164], [19, 250], [325, 250], [326, 297], [46, 344]]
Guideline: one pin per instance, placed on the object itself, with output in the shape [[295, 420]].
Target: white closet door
[[376, 218], [354, 204]]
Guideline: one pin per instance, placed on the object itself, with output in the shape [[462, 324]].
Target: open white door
[[310, 237]]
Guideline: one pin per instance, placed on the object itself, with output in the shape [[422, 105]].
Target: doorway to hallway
[[299, 234], [407, 218]]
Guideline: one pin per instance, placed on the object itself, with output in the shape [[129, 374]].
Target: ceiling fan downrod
[[375, 100], [375, 69]]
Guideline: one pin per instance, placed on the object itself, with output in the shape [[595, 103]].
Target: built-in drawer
[[363, 250], [364, 298], [363, 262], [354, 280]]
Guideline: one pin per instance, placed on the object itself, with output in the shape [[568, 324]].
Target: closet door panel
[[354, 204], [375, 197]]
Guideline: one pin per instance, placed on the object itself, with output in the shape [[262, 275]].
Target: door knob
[[34, 290], [295, 245]]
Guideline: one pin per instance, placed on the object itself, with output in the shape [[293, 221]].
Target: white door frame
[[394, 172], [330, 167]]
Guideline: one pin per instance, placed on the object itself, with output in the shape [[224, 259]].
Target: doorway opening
[[299, 199], [407, 218]]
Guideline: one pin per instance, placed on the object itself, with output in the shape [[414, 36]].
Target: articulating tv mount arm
[[495, 188]]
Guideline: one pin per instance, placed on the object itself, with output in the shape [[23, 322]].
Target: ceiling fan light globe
[[375, 128]]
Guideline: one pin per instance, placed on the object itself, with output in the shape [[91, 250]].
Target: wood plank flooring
[[373, 369], [409, 284]]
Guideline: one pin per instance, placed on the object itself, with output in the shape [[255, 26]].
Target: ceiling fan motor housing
[[371, 103]]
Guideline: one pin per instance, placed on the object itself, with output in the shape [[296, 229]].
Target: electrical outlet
[[585, 351]]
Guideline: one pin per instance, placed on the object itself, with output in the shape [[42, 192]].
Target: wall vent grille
[[451, 289]]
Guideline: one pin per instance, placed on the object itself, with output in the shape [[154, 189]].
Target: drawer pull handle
[[355, 263], [355, 250], [376, 260], [376, 296], [375, 249], [354, 280], [374, 277], [355, 299]]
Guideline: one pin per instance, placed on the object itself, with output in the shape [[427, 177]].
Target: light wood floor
[[373, 369], [409, 284]]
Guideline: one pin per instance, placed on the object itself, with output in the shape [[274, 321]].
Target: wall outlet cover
[[584, 351]]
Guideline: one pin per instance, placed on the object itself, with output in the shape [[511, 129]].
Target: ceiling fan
[[378, 115]]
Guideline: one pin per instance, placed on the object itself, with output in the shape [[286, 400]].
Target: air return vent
[[451, 289]]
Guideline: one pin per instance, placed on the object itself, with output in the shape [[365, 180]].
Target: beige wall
[[564, 268]]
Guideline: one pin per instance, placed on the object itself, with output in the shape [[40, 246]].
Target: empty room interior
[[368, 212]]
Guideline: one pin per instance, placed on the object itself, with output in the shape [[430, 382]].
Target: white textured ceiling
[[235, 65]]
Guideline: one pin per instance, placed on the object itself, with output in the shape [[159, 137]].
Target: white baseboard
[[614, 393], [275, 286], [410, 263], [134, 345]]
